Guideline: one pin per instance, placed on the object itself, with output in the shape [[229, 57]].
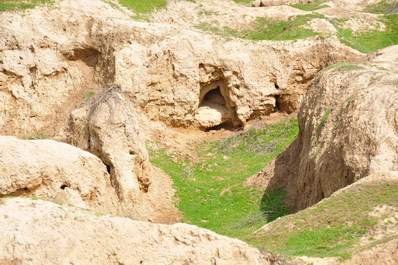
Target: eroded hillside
[[208, 91]]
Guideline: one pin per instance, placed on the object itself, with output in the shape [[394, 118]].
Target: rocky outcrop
[[265, 3], [109, 128], [40, 232], [55, 171], [348, 130], [46, 72]]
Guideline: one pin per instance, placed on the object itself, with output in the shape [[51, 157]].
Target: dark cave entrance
[[217, 110]]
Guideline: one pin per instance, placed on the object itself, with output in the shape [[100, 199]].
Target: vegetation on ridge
[[319, 4], [10, 5], [210, 189], [335, 226]]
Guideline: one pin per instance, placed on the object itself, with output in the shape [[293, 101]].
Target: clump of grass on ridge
[[14, 5]]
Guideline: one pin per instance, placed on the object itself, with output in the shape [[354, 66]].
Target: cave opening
[[215, 110], [213, 98]]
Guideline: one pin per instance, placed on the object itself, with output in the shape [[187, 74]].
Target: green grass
[[40, 135], [341, 66], [89, 95], [382, 8], [372, 40], [324, 119], [245, 2], [266, 29], [311, 6], [11, 5], [143, 6], [332, 227], [210, 191]]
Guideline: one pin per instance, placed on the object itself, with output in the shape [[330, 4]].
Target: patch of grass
[[324, 119], [382, 8], [89, 95], [245, 2], [143, 6], [333, 226], [272, 204], [311, 6], [372, 40], [266, 29], [13, 5], [40, 135], [210, 191]]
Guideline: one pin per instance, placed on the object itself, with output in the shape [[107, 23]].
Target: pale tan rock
[[55, 171], [46, 72], [348, 130], [386, 254], [109, 128], [40, 232]]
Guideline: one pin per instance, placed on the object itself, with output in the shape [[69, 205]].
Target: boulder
[[41, 232], [55, 171], [109, 128]]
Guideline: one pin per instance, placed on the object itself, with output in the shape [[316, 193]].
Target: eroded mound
[[34, 231], [348, 130]]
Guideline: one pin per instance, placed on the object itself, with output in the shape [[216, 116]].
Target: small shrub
[[89, 95]]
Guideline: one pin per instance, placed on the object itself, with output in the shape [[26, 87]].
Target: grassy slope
[[6, 5], [143, 6], [372, 40], [333, 226], [311, 6], [210, 192]]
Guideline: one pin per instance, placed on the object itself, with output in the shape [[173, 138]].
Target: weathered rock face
[[263, 3], [172, 73], [34, 232], [55, 171], [109, 128], [348, 130]]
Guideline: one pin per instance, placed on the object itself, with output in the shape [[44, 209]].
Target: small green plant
[[324, 119], [89, 95], [317, 151], [13, 5], [311, 6], [38, 136]]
